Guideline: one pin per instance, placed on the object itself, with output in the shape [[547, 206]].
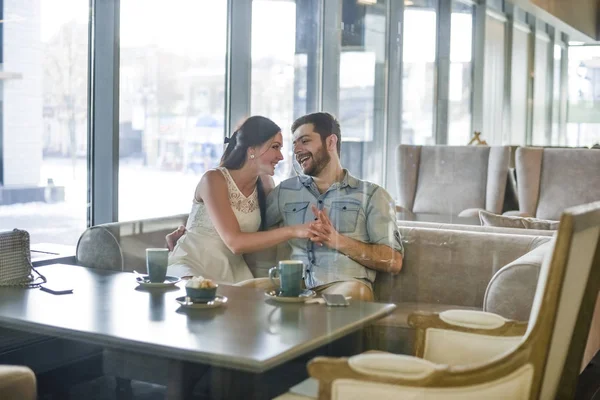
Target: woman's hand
[[174, 236], [302, 231]]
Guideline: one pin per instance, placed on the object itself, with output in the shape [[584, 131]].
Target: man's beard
[[319, 161]]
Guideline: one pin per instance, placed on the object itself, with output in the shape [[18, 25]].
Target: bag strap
[[32, 282]]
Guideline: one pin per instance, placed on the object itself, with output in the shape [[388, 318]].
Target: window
[[285, 63], [419, 53], [172, 107], [541, 101], [43, 113], [362, 88], [461, 73], [583, 128]]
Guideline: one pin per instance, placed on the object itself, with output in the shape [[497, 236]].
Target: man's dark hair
[[324, 124]]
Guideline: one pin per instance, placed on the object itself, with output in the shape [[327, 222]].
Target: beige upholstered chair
[[476, 355], [451, 180], [17, 383], [551, 180], [122, 246]]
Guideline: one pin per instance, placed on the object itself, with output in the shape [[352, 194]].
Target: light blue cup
[[156, 264], [290, 277]]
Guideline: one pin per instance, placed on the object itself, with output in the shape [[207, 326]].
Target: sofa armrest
[[17, 383], [466, 321]]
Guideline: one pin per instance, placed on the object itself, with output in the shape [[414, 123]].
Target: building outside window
[[171, 102], [43, 118], [418, 86], [461, 73], [362, 87], [583, 123]]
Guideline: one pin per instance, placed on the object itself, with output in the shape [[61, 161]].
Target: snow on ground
[[144, 192]]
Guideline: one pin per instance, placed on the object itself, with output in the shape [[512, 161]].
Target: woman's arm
[[212, 190]]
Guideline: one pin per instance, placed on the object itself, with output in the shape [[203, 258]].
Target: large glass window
[[172, 102], [43, 118], [461, 73], [419, 50], [285, 62], [520, 78], [557, 136], [362, 87], [541, 100], [583, 128]]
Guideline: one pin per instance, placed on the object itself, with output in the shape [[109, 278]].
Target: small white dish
[[143, 281], [186, 302], [304, 295]]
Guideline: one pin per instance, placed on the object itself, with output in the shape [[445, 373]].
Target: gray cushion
[[511, 290], [450, 179], [503, 221], [551, 180], [569, 177]]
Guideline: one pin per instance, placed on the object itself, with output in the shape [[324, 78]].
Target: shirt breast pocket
[[344, 215], [294, 213]]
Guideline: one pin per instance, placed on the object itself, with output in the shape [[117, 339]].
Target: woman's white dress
[[202, 252]]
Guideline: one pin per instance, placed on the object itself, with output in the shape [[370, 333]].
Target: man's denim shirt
[[358, 209]]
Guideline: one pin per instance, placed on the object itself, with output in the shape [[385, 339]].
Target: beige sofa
[[442, 268]]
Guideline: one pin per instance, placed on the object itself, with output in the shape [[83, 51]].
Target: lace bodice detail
[[246, 210], [236, 197]]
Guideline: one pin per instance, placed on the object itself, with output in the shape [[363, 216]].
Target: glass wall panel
[[43, 118], [285, 63], [461, 73], [362, 88], [493, 80], [556, 131], [583, 127], [519, 84], [541, 100], [418, 83], [172, 102]]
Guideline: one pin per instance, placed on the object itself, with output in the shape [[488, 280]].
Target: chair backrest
[[551, 180], [451, 179], [122, 245], [563, 304]]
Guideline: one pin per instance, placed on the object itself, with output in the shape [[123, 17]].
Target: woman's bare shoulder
[[211, 180]]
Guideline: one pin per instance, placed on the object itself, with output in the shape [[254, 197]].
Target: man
[[355, 231], [354, 222]]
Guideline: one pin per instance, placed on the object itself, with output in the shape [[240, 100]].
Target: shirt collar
[[348, 180]]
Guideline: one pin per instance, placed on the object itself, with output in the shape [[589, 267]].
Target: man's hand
[[323, 231]]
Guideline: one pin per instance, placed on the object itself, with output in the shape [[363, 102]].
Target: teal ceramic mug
[[290, 277], [156, 264]]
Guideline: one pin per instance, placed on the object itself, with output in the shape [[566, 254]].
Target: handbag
[[15, 261]]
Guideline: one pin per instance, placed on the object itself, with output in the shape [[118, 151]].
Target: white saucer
[[304, 295], [169, 281], [187, 303]]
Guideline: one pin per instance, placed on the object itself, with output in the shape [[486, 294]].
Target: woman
[[228, 211]]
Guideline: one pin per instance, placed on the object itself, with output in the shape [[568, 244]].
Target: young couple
[[342, 228]]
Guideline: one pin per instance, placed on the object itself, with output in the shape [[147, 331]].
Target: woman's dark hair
[[255, 131]]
